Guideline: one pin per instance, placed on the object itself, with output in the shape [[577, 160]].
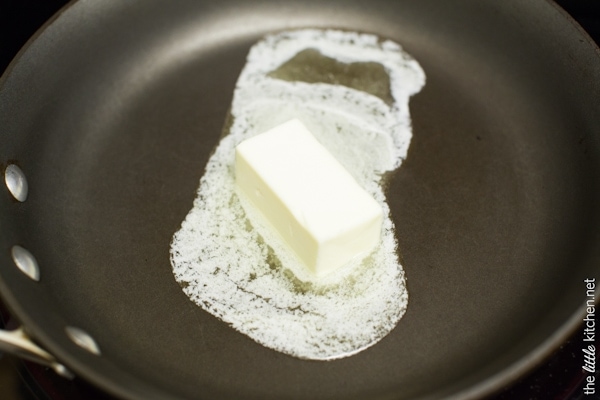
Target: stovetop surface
[[560, 377]]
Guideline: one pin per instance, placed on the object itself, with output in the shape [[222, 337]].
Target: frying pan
[[113, 109]]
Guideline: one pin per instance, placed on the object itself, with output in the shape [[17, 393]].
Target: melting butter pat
[[315, 205]]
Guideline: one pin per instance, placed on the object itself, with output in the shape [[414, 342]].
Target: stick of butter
[[308, 197]]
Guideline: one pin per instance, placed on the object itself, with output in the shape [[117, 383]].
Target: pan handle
[[17, 342]]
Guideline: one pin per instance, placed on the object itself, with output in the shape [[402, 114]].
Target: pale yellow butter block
[[308, 197]]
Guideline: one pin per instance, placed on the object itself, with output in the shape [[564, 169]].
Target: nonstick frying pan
[[111, 114]]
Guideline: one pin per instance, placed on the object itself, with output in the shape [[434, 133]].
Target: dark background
[[558, 378]]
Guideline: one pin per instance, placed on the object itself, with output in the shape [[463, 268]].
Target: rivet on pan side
[[82, 339], [16, 182], [26, 262]]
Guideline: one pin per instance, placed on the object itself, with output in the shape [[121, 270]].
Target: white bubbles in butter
[[226, 267]]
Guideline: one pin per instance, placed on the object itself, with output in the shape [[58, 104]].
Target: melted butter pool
[[351, 90]]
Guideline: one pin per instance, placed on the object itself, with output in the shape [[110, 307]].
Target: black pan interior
[[113, 111]]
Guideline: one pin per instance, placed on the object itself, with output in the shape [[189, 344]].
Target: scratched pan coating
[[114, 108]]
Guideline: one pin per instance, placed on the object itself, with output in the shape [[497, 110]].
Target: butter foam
[[229, 262]]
